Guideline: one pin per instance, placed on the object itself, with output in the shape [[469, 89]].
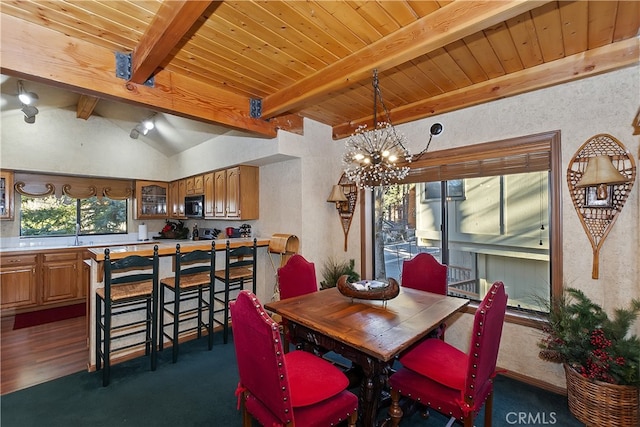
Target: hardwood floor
[[37, 354]]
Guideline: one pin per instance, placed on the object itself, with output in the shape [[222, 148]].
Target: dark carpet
[[199, 390], [25, 320]]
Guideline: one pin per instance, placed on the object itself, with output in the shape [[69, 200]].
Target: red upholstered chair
[[425, 273], [296, 277], [278, 389], [454, 383]]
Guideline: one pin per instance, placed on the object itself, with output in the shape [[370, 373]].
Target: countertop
[[168, 247]]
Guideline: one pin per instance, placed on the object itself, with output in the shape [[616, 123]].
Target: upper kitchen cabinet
[[237, 193], [209, 194], [195, 185], [6, 195], [151, 199]]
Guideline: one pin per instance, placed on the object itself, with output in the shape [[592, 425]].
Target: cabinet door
[[18, 284], [220, 208], [61, 277], [198, 184], [190, 184], [233, 192], [151, 199], [6, 195], [209, 194], [182, 192], [173, 199]]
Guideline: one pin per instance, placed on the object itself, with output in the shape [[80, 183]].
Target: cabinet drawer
[[18, 259], [62, 256]]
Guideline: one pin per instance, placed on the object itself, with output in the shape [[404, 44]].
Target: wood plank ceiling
[[313, 58]]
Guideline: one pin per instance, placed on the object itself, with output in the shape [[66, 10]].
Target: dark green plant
[[332, 270], [581, 334]]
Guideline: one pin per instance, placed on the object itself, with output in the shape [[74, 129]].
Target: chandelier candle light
[[371, 157]]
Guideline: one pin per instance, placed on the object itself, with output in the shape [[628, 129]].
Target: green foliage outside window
[[53, 216]]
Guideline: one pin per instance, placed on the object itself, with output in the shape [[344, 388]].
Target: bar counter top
[[168, 247]]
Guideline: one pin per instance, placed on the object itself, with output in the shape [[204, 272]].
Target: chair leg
[[210, 324], [98, 343], [395, 411], [176, 325], [488, 410], [106, 371], [161, 319], [154, 330], [353, 419], [225, 327]]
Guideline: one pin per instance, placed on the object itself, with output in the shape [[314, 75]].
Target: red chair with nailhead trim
[[278, 389], [425, 273], [445, 379], [297, 277]]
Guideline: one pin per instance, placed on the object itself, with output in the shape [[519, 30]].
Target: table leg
[[375, 377]]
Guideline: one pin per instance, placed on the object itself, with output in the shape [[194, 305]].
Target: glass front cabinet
[[6, 195], [151, 199]]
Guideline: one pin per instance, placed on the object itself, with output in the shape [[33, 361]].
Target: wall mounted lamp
[[344, 195], [27, 99], [600, 177], [337, 196]]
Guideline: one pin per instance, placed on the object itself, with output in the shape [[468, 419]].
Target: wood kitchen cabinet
[[37, 280], [151, 199], [209, 194], [177, 192], [195, 185], [18, 281], [6, 195], [237, 193], [62, 277]]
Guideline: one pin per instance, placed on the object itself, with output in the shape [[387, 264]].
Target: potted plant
[[332, 270], [601, 358]]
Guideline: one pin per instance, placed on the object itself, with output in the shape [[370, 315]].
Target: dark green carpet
[[199, 391]]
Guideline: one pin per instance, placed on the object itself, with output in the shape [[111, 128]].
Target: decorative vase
[[596, 403]]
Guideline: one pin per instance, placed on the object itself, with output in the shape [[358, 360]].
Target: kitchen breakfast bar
[[166, 251]]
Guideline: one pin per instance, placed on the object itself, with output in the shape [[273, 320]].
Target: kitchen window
[[58, 216]]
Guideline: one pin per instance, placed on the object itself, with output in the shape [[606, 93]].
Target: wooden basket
[[597, 403]]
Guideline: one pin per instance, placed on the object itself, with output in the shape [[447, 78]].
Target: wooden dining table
[[369, 333]]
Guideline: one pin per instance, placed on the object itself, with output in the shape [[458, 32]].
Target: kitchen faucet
[[77, 242]]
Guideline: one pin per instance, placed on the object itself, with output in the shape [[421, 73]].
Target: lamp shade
[[600, 170], [337, 195]]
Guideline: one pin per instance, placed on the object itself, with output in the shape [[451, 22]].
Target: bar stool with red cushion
[[296, 277], [452, 382], [425, 273], [284, 389]]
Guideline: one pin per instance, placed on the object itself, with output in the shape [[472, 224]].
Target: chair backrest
[[260, 357], [425, 273], [130, 263], [205, 260], [242, 256], [485, 341], [297, 277]]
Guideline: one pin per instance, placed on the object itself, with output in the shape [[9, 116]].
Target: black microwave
[[194, 206]]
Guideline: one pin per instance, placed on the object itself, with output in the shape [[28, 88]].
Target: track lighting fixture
[[27, 99], [143, 127]]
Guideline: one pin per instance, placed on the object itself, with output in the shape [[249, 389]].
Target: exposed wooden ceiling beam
[[604, 59], [446, 25], [172, 21], [38, 53], [86, 105]]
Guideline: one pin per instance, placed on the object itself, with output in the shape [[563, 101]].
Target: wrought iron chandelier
[[371, 156]]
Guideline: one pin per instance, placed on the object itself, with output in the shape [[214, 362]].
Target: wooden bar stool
[[193, 281], [126, 295], [239, 271]]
